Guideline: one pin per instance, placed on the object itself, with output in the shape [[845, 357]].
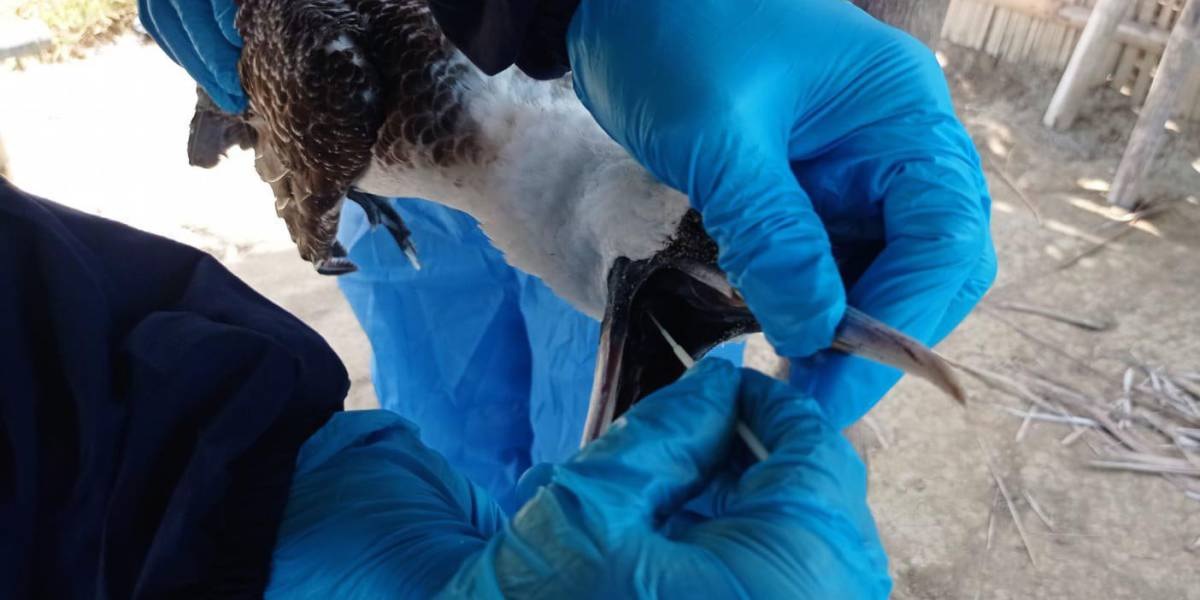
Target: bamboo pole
[[1080, 73], [1129, 32], [1076, 15], [1041, 9], [1183, 50]]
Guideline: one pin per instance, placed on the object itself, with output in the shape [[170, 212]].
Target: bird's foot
[[380, 212]]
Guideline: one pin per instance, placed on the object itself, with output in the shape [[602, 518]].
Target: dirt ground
[[1115, 535], [108, 135]]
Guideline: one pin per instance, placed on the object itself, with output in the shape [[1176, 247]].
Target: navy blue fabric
[[151, 410], [497, 34]]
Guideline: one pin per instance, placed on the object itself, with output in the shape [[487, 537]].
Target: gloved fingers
[[808, 458], [225, 14], [710, 502], [532, 480], [654, 458], [803, 506], [372, 512], [848, 386], [184, 28], [936, 219], [147, 19], [972, 292], [217, 54], [774, 248]]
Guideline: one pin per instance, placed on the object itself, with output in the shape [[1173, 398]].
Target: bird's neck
[[548, 186]]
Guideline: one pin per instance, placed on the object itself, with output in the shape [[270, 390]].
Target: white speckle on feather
[[368, 96], [341, 44]]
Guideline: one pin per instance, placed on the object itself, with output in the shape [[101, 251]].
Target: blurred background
[[1075, 473]]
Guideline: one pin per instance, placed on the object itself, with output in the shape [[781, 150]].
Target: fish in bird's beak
[[681, 292]]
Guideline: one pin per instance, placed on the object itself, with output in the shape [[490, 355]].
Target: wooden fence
[[1044, 32]]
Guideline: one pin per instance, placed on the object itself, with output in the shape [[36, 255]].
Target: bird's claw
[[380, 212], [410, 252]]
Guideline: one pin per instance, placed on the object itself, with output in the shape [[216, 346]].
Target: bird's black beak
[[696, 304], [689, 298]]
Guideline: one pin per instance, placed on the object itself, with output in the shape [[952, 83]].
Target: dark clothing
[[151, 409], [496, 34]]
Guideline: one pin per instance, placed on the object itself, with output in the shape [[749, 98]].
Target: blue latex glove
[[373, 513], [200, 36], [802, 130]]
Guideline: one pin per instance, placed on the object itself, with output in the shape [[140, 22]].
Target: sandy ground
[[107, 135], [1115, 535]]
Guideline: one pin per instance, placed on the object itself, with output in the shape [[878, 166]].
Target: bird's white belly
[[567, 226], [559, 198]]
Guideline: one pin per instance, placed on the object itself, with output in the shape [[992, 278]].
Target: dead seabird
[[367, 99]]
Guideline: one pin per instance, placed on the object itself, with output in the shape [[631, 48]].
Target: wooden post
[[1080, 73], [1181, 55], [1042, 9], [1137, 34], [923, 19]]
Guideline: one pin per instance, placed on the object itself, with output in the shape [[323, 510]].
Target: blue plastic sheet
[[494, 368]]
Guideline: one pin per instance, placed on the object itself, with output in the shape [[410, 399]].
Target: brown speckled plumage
[[425, 123], [335, 83]]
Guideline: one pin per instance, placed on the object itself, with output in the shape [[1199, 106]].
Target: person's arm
[[374, 513]]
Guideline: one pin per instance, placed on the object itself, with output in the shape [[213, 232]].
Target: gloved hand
[[822, 149], [794, 526], [200, 36], [373, 513]]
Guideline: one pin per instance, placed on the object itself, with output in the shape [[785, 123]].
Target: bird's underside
[[335, 85]]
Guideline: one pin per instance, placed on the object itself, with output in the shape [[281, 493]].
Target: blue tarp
[[493, 367]]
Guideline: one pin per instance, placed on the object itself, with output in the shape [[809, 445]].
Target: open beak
[[696, 304]]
